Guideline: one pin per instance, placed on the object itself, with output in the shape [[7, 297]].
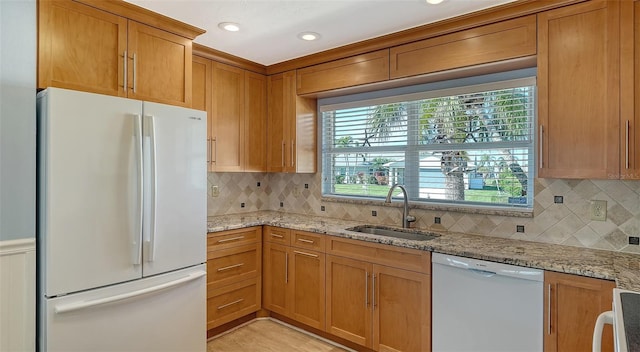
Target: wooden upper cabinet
[[227, 125], [573, 304], [578, 91], [352, 71], [291, 141], [201, 98], [236, 105], [255, 156], [81, 48], [630, 89], [494, 42], [159, 65]]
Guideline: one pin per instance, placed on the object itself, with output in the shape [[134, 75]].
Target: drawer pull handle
[[230, 239], [230, 267], [230, 304], [306, 254], [276, 236], [304, 240]]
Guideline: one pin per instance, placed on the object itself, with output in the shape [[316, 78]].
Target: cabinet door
[[201, 97], [228, 117], [578, 85], [303, 131], [573, 304], [352, 71], [630, 85], [307, 283], [255, 156], [349, 299], [401, 310], [159, 65], [276, 123], [81, 48], [276, 278]]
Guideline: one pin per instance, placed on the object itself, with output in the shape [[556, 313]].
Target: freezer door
[[175, 225], [89, 196], [161, 313]]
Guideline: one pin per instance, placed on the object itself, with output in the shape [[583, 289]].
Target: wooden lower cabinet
[[294, 283], [230, 302], [379, 307], [572, 305], [234, 268]]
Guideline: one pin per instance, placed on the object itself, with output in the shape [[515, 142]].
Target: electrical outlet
[[634, 240], [215, 191], [519, 228], [374, 213], [437, 220], [599, 210], [296, 191]]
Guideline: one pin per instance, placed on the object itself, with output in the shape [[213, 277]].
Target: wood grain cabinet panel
[[294, 278], [202, 97], [236, 104], [573, 304], [379, 296], [494, 42], [255, 141], [233, 301], [630, 89], [362, 69], [579, 91], [159, 66], [291, 121], [234, 272], [228, 118], [82, 47]]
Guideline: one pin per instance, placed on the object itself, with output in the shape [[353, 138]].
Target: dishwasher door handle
[[484, 273]]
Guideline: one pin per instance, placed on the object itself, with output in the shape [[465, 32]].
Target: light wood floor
[[268, 336]]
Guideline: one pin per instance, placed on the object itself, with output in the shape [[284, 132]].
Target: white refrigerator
[[121, 224]]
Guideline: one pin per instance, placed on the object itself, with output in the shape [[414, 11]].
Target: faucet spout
[[406, 218]]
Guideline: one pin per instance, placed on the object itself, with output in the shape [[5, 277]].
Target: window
[[466, 145]]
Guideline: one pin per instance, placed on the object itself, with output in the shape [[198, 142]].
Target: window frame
[[503, 80]]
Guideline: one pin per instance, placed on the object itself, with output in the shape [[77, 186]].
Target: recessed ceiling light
[[309, 36], [434, 2], [229, 26]]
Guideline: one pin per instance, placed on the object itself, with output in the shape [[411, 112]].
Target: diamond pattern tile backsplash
[[568, 223]]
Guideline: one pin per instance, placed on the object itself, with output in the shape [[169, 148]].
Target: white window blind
[[466, 145]]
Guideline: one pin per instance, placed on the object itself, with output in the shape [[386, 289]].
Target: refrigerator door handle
[[137, 241], [153, 179], [66, 308]]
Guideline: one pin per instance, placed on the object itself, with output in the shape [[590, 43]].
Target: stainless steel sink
[[405, 234]]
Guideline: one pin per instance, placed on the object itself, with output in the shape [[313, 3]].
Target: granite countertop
[[624, 268]]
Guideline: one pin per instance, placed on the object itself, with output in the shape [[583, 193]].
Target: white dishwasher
[[485, 306]]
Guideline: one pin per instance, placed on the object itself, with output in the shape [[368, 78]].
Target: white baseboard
[[18, 295]]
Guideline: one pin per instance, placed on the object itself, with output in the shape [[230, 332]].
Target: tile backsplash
[[567, 223]]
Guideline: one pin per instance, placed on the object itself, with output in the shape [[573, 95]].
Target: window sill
[[469, 209]]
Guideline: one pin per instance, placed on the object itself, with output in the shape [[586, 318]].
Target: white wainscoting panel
[[17, 295]]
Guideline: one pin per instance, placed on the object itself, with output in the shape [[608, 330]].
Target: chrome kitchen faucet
[[406, 218]]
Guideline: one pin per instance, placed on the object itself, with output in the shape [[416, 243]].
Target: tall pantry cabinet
[[94, 46]]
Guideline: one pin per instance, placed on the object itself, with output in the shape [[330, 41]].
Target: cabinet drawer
[[308, 240], [351, 71], [232, 238], [494, 42], [234, 264], [233, 301], [397, 257], [277, 235]]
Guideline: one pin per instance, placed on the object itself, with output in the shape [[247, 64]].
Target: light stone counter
[[622, 267]]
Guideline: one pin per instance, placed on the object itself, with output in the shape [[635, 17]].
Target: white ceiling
[[269, 28]]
